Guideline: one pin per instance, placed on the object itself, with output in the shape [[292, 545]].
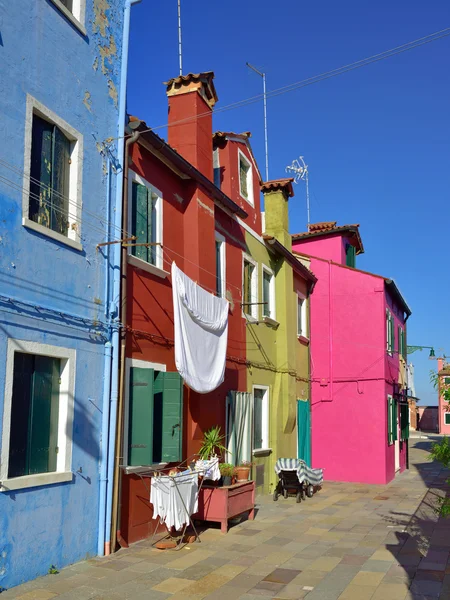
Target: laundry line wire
[[432, 37]]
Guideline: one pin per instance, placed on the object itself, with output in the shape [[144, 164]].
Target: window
[[52, 175], [446, 380], [350, 255], [260, 418], [392, 415], [302, 329], [401, 342], [268, 294], [250, 288], [37, 428], [404, 421], [74, 11], [146, 221], [155, 415], [220, 266], [216, 166], [447, 418], [245, 178], [390, 336]]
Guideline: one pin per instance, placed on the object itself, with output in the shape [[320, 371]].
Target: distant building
[[443, 406]]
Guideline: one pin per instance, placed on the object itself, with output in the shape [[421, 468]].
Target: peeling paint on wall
[[113, 91], [87, 101], [100, 22], [95, 64], [106, 53]]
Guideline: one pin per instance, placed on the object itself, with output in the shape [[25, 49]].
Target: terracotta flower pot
[[242, 473]]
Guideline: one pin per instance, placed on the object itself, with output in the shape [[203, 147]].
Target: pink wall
[[428, 418], [350, 380], [329, 248]]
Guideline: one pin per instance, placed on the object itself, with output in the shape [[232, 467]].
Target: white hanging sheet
[[175, 498], [201, 333]]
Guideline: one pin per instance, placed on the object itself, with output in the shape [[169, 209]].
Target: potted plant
[[227, 472], [242, 471], [212, 443]]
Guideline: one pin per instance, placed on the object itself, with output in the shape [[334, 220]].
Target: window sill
[[143, 469], [271, 322], [250, 319], [145, 266], [303, 340], [54, 235], [69, 16], [262, 452], [30, 481]]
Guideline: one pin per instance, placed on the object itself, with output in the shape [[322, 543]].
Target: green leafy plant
[[53, 570], [440, 452], [226, 469], [212, 443]]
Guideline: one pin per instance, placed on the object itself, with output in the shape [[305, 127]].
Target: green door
[[304, 431], [169, 417], [140, 443]]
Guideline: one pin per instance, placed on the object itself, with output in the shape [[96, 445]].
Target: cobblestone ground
[[349, 542]]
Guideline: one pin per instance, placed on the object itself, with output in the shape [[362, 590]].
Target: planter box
[[222, 503]]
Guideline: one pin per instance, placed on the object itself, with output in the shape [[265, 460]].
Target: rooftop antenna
[[263, 75], [300, 168], [180, 57]]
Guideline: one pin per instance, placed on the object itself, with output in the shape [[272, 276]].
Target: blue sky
[[377, 140]]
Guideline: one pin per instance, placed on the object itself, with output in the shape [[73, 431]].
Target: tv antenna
[[180, 56], [300, 170], [263, 75]]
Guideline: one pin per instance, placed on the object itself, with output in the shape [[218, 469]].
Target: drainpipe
[[116, 506], [116, 281], [330, 317], [106, 385]]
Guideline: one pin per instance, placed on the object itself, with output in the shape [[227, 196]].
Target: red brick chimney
[[191, 100]]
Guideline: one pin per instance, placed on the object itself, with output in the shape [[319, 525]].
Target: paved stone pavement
[[349, 542]]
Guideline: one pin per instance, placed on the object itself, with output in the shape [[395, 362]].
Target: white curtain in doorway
[[239, 426]]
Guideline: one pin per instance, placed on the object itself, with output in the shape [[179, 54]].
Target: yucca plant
[[212, 443]]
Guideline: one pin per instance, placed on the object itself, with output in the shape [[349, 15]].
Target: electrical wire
[[432, 37]]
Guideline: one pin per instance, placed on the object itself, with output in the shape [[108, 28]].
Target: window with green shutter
[[446, 380], [33, 443], [49, 176], [146, 224], [350, 256], [155, 417], [392, 416], [404, 421], [447, 418], [390, 332]]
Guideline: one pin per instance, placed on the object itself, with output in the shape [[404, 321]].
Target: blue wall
[[77, 77]]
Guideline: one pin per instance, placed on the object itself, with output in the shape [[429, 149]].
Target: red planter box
[[222, 503]]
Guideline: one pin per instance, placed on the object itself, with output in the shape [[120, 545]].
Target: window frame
[[250, 199], [73, 239], [303, 302], [76, 16], [390, 332], [264, 418], [272, 303], [129, 364], [446, 414], [158, 268], [253, 313], [63, 471], [218, 237]]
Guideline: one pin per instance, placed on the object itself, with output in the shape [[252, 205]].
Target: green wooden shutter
[[43, 416], [60, 182], [140, 436], [350, 256], [171, 417], [139, 216], [394, 419], [41, 171], [389, 419], [20, 408], [404, 421]]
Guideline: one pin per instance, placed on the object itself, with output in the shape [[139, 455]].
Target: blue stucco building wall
[[51, 293]]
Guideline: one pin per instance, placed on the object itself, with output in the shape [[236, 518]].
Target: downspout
[[117, 491], [330, 317], [116, 281], [106, 385]]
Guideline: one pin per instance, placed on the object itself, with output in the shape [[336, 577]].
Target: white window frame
[[141, 364], [390, 343], [63, 471], [302, 302], [272, 305], [251, 312], [265, 418], [445, 414], [158, 267], [76, 16], [223, 262], [34, 107], [250, 199]]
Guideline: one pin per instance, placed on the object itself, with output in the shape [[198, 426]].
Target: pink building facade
[[359, 409], [443, 406]]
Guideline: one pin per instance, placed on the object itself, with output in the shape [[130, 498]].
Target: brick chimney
[[191, 100], [276, 197]]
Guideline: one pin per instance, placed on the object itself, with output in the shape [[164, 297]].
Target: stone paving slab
[[348, 542]]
